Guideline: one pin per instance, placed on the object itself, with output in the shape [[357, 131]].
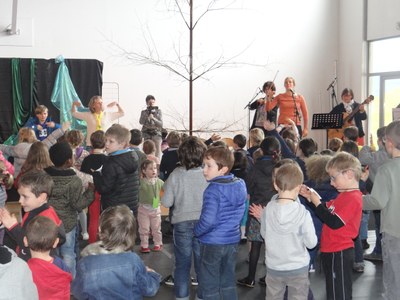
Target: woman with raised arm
[[97, 118]]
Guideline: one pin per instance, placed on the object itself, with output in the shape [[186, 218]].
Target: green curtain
[[21, 114]]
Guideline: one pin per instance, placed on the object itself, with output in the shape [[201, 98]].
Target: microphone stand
[[248, 106], [296, 111], [333, 93], [252, 99]]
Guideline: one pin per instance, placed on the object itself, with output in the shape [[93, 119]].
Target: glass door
[[391, 91], [386, 92]]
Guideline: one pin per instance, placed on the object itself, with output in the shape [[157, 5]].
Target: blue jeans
[[186, 245], [364, 225], [68, 250], [217, 271], [358, 250]]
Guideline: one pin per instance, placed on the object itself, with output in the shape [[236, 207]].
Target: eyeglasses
[[333, 178]]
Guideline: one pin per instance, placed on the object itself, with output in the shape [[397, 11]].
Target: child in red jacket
[[34, 188], [50, 274]]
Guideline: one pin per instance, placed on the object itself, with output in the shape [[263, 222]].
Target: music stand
[[327, 121]]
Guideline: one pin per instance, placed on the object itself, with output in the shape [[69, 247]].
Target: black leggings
[[253, 259]]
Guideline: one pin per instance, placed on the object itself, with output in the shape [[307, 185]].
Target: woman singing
[[291, 106]]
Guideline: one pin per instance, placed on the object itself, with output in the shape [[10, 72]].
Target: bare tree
[[213, 125], [183, 65]]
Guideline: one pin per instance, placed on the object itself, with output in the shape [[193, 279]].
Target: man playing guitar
[[354, 114]]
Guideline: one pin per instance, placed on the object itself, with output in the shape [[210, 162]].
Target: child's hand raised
[[255, 210], [269, 126], [310, 194], [65, 126], [305, 192], [7, 219]]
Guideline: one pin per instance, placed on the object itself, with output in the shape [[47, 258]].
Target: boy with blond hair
[[341, 218], [42, 123], [218, 228], [385, 196], [288, 231], [50, 274], [117, 180]]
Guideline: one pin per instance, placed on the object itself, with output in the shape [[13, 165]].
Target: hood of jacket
[[264, 165], [286, 217], [126, 160], [228, 179]]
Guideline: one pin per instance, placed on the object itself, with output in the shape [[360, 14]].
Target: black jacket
[[271, 115], [358, 117], [118, 181], [259, 181]]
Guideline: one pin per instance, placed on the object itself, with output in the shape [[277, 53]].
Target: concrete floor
[[367, 285]]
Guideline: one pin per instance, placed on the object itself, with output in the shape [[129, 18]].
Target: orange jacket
[[286, 108]]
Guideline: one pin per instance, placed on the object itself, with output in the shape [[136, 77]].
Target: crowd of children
[[299, 206]]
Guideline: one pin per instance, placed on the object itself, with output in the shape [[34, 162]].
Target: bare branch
[[181, 13], [210, 9]]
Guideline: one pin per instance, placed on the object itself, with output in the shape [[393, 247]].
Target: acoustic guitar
[[347, 121]]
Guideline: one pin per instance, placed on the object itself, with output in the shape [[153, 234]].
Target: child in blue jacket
[[219, 226]]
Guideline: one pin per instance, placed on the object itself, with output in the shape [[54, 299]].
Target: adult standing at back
[[291, 106], [151, 119], [97, 118]]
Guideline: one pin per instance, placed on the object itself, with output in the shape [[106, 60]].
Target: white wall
[[352, 47], [383, 19], [298, 38]]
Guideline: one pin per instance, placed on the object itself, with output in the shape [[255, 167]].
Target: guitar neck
[[356, 110]]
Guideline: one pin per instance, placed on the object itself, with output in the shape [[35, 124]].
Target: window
[[384, 82]]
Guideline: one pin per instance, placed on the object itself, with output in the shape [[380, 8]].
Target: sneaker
[[373, 256], [262, 281], [157, 248], [311, 269], [194, 281], [169, 280], [245, 282], [144, 250], [85, 236], [358, 267], [365, 244]]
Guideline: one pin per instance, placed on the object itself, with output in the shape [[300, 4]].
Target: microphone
[[332, 84]]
